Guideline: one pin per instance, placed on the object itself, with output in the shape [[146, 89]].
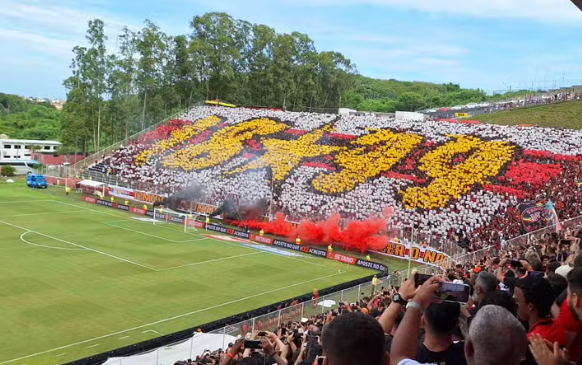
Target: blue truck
[[36, 181]]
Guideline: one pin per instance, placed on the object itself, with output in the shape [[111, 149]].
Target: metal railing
[[220, 338], [528, 238]]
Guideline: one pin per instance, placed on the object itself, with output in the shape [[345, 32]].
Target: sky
[[494, 45]]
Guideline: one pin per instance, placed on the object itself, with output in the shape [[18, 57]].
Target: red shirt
[[550, 330], [567, 321]]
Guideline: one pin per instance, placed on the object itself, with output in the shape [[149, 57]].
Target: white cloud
[[550, 11], [55, 16], [35, 41], [52, 28]]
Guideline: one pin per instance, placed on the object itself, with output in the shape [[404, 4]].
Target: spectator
[[354, 339], [556, 356], [500, 298], [541, 163], [506, 346], [558, 282], [534, 297], [440, 321], [485, 283], [553, 266]]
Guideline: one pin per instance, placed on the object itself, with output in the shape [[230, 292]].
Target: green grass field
[[78, 279], [559, 115]]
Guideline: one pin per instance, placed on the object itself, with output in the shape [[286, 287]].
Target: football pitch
[[79, 279]]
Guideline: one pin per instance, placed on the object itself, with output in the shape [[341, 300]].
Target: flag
[[531, 214], [552, 216], [579, 184]]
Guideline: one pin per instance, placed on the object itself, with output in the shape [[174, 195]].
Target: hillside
[[564, 115], [24, 119], [388, 96]]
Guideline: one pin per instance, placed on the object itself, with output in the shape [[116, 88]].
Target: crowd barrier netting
[[220, 338]]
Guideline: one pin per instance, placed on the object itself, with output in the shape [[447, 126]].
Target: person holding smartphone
[[495, 335], [440, 321]]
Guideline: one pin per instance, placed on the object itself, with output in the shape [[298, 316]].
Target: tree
[[151, 45], [112, 94], [410, 101], [97, 66], [213, 42]]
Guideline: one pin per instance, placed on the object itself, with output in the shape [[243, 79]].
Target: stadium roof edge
[[30, 141], [578, 3]]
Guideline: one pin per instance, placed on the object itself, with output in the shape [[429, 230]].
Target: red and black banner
[[532, 216]]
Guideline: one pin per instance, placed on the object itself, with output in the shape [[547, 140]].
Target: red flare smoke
[[357, 236]]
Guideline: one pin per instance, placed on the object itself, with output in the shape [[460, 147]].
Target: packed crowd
[[524, 307], [533, 100], [442, 178]]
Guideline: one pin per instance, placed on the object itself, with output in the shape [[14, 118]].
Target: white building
[[21, 149]]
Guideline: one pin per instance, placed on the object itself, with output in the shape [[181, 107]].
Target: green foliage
[[410, 101], [8, 171], [391, 95], [114, 95], [25, 119]]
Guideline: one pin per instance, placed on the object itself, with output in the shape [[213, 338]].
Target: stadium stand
[[381, 328], [454, 181], [451, 181]]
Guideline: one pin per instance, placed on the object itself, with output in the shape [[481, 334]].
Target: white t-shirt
[[411, 362]]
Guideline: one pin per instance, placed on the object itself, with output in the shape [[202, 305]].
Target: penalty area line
[[80, 246], [27, 201], [142, 233], [209, 261], [172, 318], [45, 246], [34, 214], [108, 223]]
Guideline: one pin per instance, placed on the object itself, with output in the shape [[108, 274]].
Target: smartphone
[[262, 334], [252, 344], [320, 360], [456, 293], [419, 279]]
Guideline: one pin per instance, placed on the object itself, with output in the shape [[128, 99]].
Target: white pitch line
[[270, 253], [172, 318], [152, 235], [27, 201], [84, 208], [59, 355], [30, 214], [163, 226], [123, 338], [146, 331], [228, 243], [81, 246], [209, 261], [143, 233], [95, 345], [194, 240], [45, 246]]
